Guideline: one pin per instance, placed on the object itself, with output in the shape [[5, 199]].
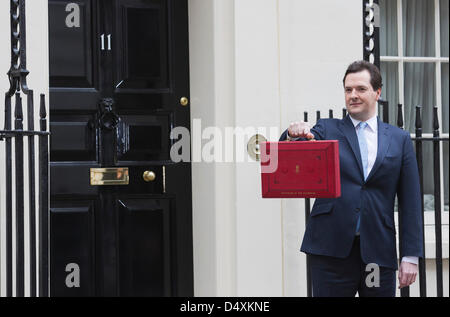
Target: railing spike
[[418, 117], [42, 110], [400, 116], [435, 119], [18, 114]]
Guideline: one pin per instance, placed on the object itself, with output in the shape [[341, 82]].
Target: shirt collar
[[372, 123]]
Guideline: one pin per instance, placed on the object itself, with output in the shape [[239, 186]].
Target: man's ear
[[378, 93]]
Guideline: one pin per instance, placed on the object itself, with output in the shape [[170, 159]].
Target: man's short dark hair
[[375, 77]]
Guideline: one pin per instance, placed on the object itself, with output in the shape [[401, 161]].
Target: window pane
[[445, 104], [428, 175], [418, 28], [388, 28], [420, 89], [389, 72], [443, 9]]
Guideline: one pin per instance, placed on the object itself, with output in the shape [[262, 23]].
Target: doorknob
[[149, 176], [184, 101]]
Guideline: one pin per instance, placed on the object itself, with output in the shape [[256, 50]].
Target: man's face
[[360, 98]]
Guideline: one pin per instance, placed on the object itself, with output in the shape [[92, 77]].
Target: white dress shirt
[[371, 134]]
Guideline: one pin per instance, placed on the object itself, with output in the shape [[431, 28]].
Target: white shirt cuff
[[411, 259], [289, 138]]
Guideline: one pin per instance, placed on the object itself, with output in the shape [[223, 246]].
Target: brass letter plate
[[109, 176]]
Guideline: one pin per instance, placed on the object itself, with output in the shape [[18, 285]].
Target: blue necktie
[[364, 157]]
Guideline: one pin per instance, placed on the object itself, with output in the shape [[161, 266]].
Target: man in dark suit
[[347, 237]]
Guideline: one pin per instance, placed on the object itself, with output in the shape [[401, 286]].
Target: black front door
[[118, 73]]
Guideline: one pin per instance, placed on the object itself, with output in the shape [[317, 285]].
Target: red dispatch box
[[305, 169]]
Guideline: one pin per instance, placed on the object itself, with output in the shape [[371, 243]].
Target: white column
[[211, 45]]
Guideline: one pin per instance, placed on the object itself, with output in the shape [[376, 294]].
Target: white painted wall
[[318, 40], [37, 64], [254, 64]]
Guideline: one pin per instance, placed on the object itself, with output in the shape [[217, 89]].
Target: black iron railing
[[18, 83], [418, 141], [371, 32]]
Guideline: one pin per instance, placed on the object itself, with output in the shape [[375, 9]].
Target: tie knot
[[362, 125]]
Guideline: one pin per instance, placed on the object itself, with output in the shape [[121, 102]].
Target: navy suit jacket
[[331, 227]]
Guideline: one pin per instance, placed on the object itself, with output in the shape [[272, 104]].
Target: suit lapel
[[348, 129], [384, 140]]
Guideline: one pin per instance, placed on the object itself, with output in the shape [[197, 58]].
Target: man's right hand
[[300, 130]]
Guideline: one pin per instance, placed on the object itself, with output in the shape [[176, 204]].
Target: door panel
[[72, 50], [142, 58], [69, 179], [144, 137], [145, 265], [142, 61], [73, 231], [73, 56], [74, 138]]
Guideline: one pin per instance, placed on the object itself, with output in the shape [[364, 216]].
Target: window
[[414, 51]]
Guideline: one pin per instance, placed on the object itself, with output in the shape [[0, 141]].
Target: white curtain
[[418, 40]]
